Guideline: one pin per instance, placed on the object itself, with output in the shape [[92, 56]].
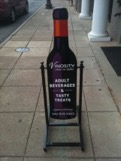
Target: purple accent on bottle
[[56, 75]]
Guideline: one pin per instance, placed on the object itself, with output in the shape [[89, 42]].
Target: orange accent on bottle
[[60, 28]]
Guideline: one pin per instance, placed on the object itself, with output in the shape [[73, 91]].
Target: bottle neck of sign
[[61, 34]]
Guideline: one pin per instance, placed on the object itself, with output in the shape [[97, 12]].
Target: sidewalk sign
[[62, 85]]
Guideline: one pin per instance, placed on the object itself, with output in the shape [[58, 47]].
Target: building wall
[[91, 6], [115, 25], [77, 4]]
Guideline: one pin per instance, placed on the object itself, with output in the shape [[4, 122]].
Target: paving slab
[[70, 27], [37, 136], [89, 62], [77, 26], [29, 62], [43, 32], [11, 159], [79, 33], [14, 129], [86, 25], [18, 99], [16, 44], [106, 133], [84, 52], [70, 33], [9, 52], [25, 32], [80, 38], [98, 98], [19, 37], [36, 52], [3, 75], [39, 44], [40, 106], [7, 62], [56, 159], [82, 43], [71, 37], [33, 23], [72, 44], [41, 24], [24, 78], [41, 38], [92, 77], [40, 16]]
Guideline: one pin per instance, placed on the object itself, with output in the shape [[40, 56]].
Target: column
[[99, 22], [85, 10]]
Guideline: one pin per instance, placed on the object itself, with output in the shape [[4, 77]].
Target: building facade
[[98, 8], [115, 24]]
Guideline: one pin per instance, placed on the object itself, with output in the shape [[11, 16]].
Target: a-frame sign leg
[[45, 105], [80, 105], [45, 139]]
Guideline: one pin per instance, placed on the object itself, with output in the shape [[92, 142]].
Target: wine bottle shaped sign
[[62, 70]]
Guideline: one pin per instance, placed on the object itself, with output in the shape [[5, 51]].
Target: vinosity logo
[[56, 65]]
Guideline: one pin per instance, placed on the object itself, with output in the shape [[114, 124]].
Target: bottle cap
[[60, 13]]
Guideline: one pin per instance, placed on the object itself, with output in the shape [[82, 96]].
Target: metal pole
[[80, 106], [48, 4]]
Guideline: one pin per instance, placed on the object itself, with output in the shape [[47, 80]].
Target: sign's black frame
[[47, 116]]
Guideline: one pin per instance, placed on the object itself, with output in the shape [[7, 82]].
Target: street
[[7, 28]]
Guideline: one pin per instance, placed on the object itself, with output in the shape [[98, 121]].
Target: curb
[[13, 33]]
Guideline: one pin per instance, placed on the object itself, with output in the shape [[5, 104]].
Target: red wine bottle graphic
[[62, 70]]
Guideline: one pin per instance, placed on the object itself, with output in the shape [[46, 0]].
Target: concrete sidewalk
[[22, 120]]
